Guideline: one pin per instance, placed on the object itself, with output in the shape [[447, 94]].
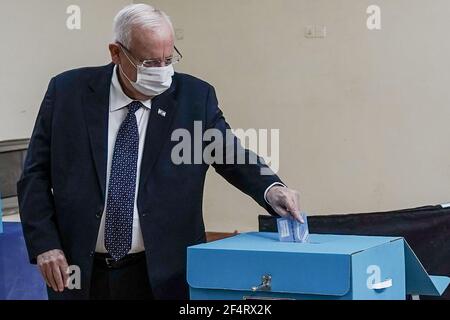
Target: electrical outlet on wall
[[309, 32], [315, 31], [321, 31]]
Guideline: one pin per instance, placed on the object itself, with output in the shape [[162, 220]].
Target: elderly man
[[99, 189]]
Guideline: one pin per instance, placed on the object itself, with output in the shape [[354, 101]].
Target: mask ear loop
[[122, 72], [120, 65]]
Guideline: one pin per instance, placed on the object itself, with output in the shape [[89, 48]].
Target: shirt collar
[[119, 99]]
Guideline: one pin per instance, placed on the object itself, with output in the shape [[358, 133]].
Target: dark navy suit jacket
[[62, 189]]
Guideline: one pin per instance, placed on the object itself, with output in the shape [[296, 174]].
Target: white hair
[[138, 15]]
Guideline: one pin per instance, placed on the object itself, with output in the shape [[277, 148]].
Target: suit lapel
[[96, 110], [161, 116]]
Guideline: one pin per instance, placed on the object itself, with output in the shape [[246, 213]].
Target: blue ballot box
[[259, 266]]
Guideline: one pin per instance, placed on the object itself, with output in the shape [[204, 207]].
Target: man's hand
[[53, 266], [285, 202]]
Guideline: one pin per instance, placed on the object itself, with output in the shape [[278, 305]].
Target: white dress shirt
[[118, 102]]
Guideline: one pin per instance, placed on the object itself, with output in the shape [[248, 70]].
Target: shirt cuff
[[269, 187]]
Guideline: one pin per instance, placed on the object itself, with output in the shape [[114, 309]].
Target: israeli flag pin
[[162, 113]]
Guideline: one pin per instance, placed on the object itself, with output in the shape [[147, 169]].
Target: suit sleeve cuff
[[269, 187]]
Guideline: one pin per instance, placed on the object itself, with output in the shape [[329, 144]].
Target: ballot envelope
[[259, 266]]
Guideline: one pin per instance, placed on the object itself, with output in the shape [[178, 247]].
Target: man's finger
[[49, 276], [297, 206], [57, 276], [44, 275], [281, 211], [293, 209], [64, 269], [296, 215]]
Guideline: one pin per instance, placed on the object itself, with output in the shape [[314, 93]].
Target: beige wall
[[36, 44], [363, 114]]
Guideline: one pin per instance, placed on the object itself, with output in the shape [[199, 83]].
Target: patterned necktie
[[122, 187]]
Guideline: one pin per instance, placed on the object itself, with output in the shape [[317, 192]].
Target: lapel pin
[[162, 113]]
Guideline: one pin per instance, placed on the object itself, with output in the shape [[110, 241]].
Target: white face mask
[[151, 81]]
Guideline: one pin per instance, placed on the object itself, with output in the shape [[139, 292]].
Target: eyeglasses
[[152, 63]]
